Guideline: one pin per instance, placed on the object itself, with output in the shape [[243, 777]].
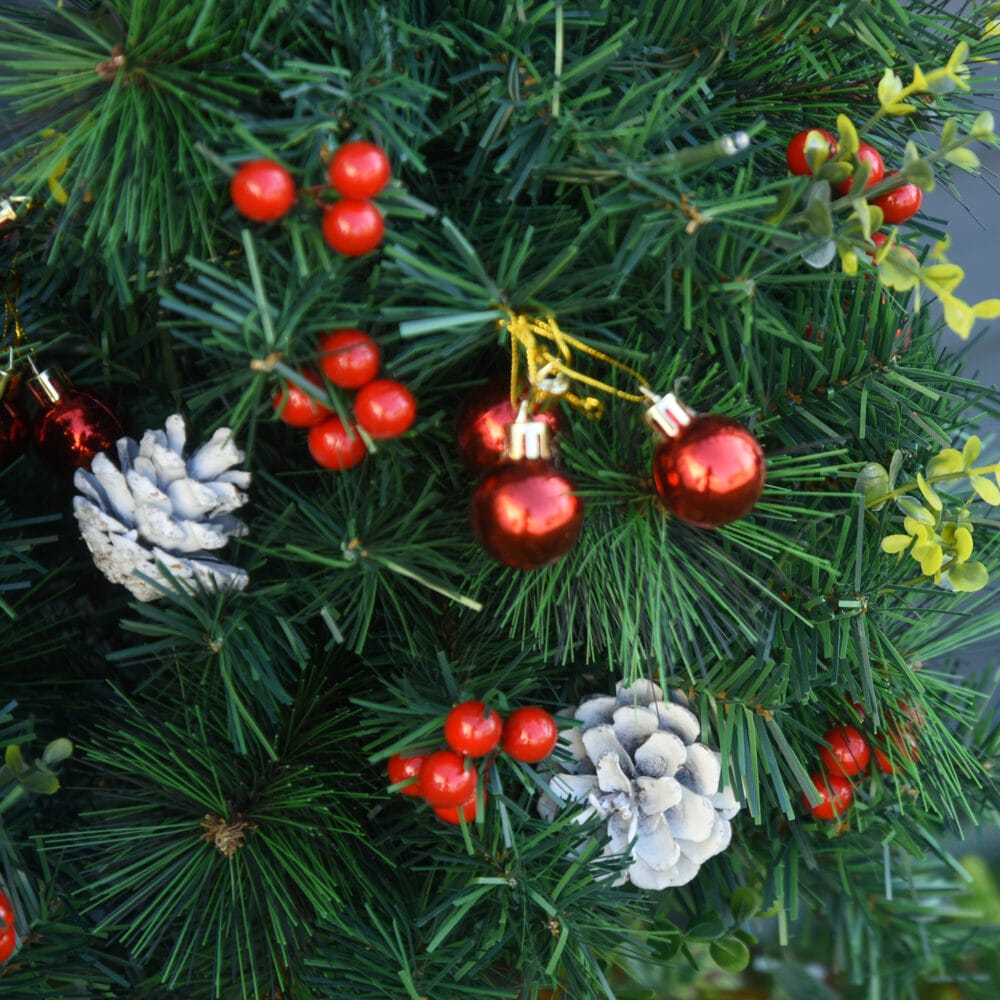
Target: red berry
[[884, 764], [848, 752], [795, 151], [472, 729], [836, 794], [468, 809], [353, 227], [359, 170], [349, 358], [385, 408], [870, 155], [900, 204], [529, 734], [262, 190], [296, 407], [445, 780], [8, 935], [336, 446], [402, 768]]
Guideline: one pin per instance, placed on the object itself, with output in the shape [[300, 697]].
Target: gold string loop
[[548, 357]]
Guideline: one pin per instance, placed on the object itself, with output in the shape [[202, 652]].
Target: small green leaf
[[14, 760], [959, 315], [964, 159], [921, 173], [708, 928], [730, 954], [949, 132], [816, 150], [817, 212], [910, 153], [982, 129], [821, 255], [933, 500], [848, 141], [873, 484], [57, 751], [986, 490], [987, 309], [970, 451], [968, 576], [899, 269], [889, 87], [895, 465], [41, 783], [915, 509], [745, 903]]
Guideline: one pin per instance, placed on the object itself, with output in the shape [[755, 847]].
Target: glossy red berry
[[8, 935], [353, 227], [349, 358], [385, 408], [848, 752], [262, 190], [836, 795], [529, 734], [359, 170], [876, 168], [296, 407], [472, 728], [335, 445], [899, 204], [445, 780], [402, 768], [795, 151], [468, 810]]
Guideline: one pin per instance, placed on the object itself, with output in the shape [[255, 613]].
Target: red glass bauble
[[525, 513], [73, 426], [15, 429], [482, 420], [711, 473]]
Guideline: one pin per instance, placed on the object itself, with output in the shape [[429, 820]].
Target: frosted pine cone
[[162, 507], [640, 768]]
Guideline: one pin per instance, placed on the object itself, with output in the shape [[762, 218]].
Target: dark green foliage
[[553, 159]]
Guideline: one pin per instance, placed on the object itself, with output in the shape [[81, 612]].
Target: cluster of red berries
[[264, 191], [897, 205], [8, 936], [846, 753], [383, 407], [446, 779]]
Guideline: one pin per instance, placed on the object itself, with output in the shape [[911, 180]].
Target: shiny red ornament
[[385, 408], [450, 814], [15, 429], [482, 421], [848, 751], [8, 935], [296, 407], [709, 470], [73, 426], [353, 227], [402, 768], [349, 358], [529, 734], [795, 151], [900, 203], [445, 780], [336, 445], [472, 728], [262, 190], [836, 795], [359, 169], [876, 168], [524, 511]]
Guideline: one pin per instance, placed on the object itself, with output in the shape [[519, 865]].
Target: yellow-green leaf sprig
[[939, 538]]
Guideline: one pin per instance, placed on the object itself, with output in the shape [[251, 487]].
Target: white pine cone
[[640, 767], [158, 506]]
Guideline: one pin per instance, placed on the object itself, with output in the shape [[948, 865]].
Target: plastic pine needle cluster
[[583, 203]]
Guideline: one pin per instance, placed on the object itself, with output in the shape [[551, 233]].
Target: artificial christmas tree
[[584, 202]]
